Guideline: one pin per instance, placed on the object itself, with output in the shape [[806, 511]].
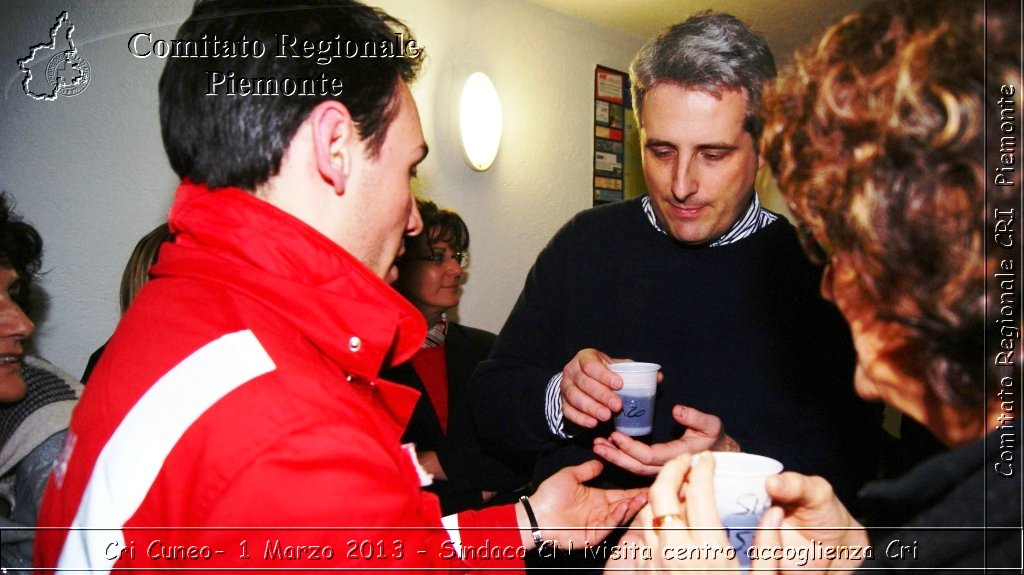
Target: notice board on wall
[[611, 103]]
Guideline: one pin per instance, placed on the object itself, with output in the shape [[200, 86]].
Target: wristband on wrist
[[534, 528]]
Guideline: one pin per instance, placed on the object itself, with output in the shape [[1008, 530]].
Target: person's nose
[[414, 225], [14, 324], [684, 179], [452, 266]]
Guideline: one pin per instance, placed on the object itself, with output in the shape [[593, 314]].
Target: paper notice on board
[[604, 162], [608, 133], [609, 86], [608, 183], [609, 146]]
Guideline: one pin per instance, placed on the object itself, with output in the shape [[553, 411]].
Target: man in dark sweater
[[697, 277]]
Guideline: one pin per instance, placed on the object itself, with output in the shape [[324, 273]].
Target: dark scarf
[[44, 388]]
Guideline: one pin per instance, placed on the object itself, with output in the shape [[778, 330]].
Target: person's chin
[[12, 385], [452, 295], [690, 234]]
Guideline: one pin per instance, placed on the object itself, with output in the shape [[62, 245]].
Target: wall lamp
[[480, 121]]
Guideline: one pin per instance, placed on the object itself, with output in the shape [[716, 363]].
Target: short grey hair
[[710, 52]]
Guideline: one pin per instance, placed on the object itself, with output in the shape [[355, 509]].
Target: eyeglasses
[[439, 258]]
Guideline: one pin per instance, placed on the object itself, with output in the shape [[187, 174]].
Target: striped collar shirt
[[437, 333], [755, 219]]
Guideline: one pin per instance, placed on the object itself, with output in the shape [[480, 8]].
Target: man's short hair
[[233, 140], [21, 249], [711, 52]]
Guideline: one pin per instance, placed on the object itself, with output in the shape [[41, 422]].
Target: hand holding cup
[[639, 386], [588, 388]]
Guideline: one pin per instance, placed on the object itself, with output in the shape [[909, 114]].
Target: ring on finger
[[666, 520]]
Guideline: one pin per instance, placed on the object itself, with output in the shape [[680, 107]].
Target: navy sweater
[[740, 331]]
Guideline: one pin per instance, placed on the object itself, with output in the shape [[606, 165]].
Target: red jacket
[[236, 418]]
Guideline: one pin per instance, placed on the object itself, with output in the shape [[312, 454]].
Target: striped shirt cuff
[[553, 407]]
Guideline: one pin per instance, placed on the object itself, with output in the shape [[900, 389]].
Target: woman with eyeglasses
[[466, 473]]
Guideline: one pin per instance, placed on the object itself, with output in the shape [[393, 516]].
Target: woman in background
[[136, 271], [878, 139], [136, 274], [466, 473]]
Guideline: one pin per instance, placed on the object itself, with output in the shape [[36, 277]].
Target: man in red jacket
[[236, 418]]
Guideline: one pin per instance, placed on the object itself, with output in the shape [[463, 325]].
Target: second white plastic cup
[[740, 496], [639, 385]]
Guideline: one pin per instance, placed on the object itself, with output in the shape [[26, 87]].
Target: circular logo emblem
[[67, 73]]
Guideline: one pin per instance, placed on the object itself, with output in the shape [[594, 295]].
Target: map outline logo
[[67, 72]]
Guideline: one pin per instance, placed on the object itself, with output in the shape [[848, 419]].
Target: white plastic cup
[[741, 497], [639, 385]]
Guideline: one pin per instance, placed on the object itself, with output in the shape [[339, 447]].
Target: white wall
[[90, 172]]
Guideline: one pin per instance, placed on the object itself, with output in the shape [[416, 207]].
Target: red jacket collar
[[229, 236]]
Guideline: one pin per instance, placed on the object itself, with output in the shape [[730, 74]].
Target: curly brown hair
[[877, 138], [21, 248]]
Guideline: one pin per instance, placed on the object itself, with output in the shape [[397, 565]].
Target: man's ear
[[334, 132]]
